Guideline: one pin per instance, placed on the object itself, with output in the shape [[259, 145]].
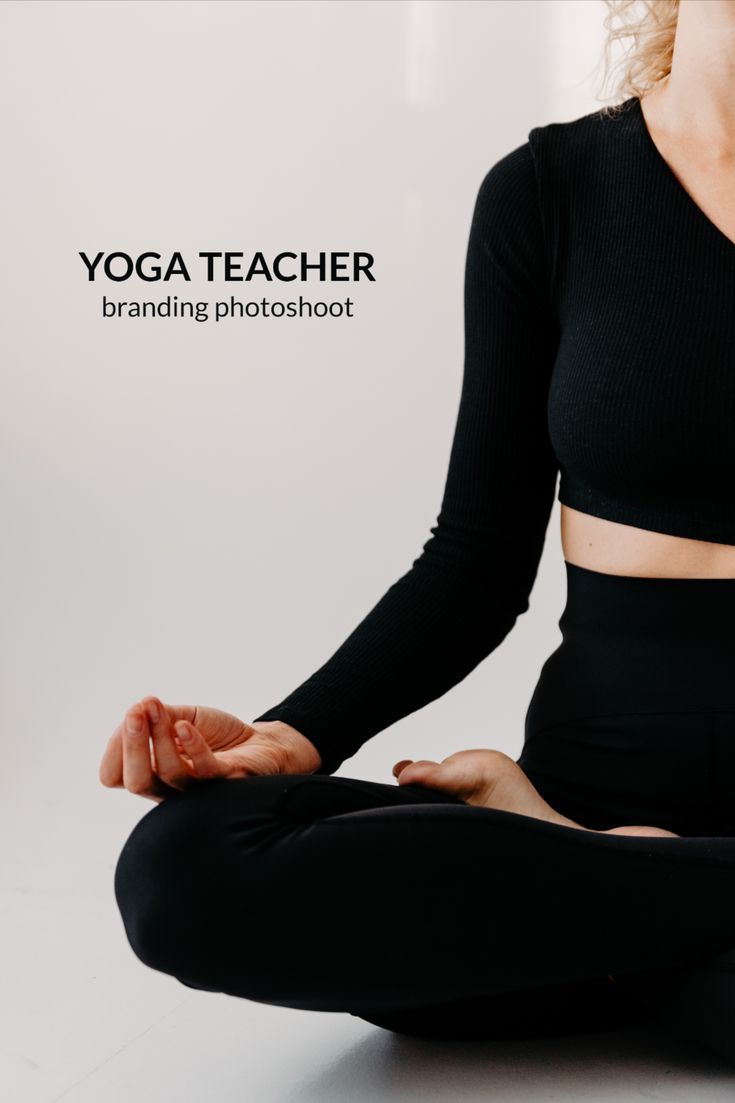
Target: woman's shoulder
[[556, 152], [524, 192], [561, 147]]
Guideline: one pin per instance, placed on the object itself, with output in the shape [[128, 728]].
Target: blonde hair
[[650, 25]]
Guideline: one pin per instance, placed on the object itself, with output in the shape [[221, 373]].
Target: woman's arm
[[473, 578]]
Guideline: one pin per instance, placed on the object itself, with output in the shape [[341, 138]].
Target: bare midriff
[[613, 548]]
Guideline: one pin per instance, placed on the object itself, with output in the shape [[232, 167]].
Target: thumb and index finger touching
[[173, 732]]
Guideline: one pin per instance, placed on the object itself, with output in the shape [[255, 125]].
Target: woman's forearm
[[474, 574]]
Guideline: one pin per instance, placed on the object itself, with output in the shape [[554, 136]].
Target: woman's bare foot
[[492, 779]]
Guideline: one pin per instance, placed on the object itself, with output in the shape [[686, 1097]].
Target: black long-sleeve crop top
[[599, 347]]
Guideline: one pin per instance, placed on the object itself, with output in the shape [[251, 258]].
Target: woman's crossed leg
[[411, 908]]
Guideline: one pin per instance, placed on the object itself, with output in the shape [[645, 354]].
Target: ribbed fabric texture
[[642, 397], [599, 345]]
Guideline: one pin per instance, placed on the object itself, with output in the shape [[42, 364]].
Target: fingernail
[[153, 711], [184, 734], [134, 722]]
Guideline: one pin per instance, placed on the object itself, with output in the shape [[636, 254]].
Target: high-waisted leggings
[[425, 915]]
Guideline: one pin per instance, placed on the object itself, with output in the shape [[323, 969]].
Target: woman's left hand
[[492, 779]]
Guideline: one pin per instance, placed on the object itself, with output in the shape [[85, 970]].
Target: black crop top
[[599, 347]]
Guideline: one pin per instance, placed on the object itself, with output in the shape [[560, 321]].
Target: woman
[[593, 880]]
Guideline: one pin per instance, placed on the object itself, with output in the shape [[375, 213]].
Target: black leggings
[[424, 915]]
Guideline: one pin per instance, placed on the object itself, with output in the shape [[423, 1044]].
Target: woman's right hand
[[159, 749]]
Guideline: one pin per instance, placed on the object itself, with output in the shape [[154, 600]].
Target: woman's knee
[[156, 871], [182, 866], [208, 882]]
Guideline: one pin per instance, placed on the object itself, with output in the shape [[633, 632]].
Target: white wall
[[204, 512]]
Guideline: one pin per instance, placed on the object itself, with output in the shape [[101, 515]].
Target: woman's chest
[[643, 385]]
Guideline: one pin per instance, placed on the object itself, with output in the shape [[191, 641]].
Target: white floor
[[84, 1021]]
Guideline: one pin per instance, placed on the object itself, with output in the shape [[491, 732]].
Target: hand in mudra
[[159, 749], [492, 779]]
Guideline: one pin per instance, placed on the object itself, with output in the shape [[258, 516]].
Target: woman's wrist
[[302, 753]]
